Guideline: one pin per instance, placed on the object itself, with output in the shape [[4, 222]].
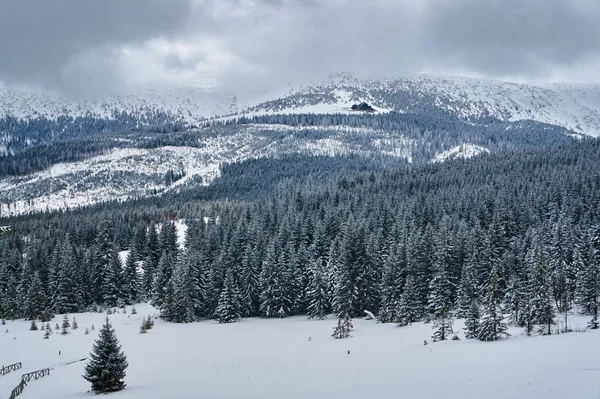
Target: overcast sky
[[102, 46]]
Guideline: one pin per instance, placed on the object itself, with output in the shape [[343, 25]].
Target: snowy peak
[[187, 103], [574, 107]]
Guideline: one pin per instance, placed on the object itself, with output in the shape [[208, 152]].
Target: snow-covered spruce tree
[[409, 305], [468, 288], [132, 282], [316, 292], [274, 301], [112, 288], [106, 369], [440, 299], [515, 301], [186, 305], [163, 276], [539, 310], [492, 325], [343, 328], [472, 320], [36, 301], [229, 307], [588, 290], [390, 289]]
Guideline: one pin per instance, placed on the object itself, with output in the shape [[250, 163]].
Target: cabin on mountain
[[363, 107]]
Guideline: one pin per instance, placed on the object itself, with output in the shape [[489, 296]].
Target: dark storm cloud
[[39, 37], [76, 44]]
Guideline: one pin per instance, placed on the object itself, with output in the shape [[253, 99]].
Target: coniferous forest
[[507, 238]]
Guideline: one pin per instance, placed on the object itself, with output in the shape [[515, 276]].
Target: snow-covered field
[[297, 358]]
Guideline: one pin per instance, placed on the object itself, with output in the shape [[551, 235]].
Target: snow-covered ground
[[463, 151], [297, 358]]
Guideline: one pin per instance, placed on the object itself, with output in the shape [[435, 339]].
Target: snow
[[192, 104], [463, 151], [123, 173], [297, 358]]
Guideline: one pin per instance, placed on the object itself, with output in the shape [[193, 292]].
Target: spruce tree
[[343, 328], [106, 369], [409, 306], [132, 282], [588, 290], [187, 299], [229, 308], [492, 324], [36, 302], [316, 292], [472, 320], [539, 310], [440, 299]]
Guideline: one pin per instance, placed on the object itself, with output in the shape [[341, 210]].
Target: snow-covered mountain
[[575, 107], [425, 129], [187, 103]]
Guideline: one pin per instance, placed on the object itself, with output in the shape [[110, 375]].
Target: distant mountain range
[[575, 107], [60, 153]]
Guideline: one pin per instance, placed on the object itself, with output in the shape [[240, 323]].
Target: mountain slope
[[187, 103], [574, 107]]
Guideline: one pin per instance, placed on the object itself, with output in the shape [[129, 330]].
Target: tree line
[[507, 238]]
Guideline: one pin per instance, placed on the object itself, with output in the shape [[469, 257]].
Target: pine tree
[[33, 326], [36, 301], [316, 292], [106, 369], [440, 299], [112, 287], [409, 306], [539, 307], [343, 328], [472, 320], [229, 307], [492, 325], [187, 307], [588, 290], [274, 300], [132, 282], [390, 289]]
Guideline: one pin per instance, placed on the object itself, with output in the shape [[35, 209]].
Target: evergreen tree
[[440, 298], [539, 310], [588, 290], [229, 308], [492, 325], [472, 320], [36, 302], [187, 299], [113, 283], [107, 365], [132, 284], [343, 328], [409, 307], [316, 292]]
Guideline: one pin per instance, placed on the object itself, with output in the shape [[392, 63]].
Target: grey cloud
[[65, 44], [38, 38]]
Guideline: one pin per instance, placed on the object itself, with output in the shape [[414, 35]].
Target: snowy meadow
[[297, 358]]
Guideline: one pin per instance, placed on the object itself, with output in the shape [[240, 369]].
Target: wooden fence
[[18, 390], [9, 368], [25, 378], [35, 375]]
